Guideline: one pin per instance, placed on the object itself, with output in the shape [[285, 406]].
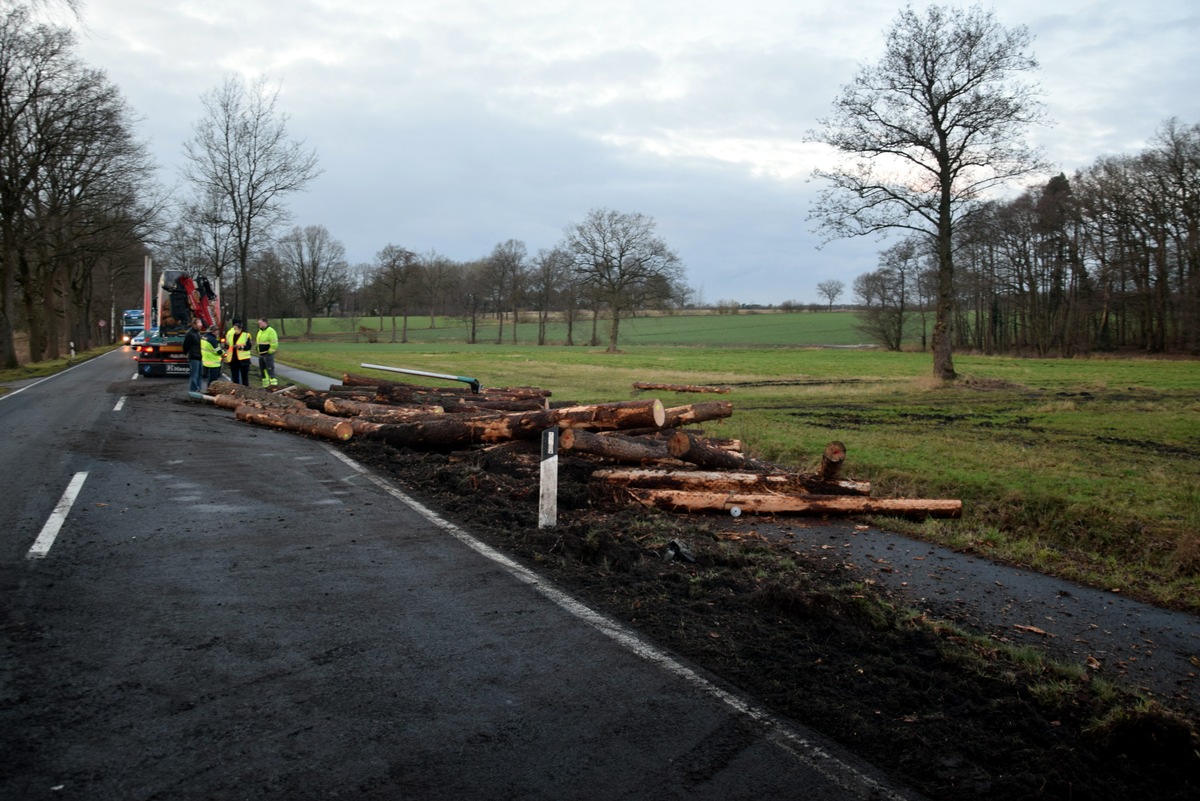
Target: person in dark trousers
[[210, 355], [267, 342], [238, 353], [191, 347]]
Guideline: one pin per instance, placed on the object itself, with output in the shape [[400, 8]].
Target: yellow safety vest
[[237, 346]]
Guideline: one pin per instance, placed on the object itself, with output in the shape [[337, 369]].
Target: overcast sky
[[453, 125]]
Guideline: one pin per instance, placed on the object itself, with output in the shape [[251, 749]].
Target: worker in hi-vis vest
[[267, 343], [237, 353]]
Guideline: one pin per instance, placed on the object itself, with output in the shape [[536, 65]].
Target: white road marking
[[811, 754], [41, 546], [120, 404]]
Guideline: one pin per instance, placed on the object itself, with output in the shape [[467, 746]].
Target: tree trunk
[[729, 481], [832, 460], [640, 386], [344, 407], [317, 425], [690, 448], [455, 431], [699, 501], [615, 446]]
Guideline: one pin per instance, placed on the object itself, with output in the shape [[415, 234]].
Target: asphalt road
[[230, 612]]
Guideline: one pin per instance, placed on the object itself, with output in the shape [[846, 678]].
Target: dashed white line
[[41, 546], [120, 404]]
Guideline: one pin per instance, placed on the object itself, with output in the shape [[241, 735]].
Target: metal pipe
[[474, 382]]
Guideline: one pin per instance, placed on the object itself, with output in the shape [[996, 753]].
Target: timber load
[[637, 450]]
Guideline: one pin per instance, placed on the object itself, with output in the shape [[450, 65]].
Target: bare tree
[[546, 284], [395, 277], [507, 273], [317, 263], [926, 132], [831, 290], [240, 153], [619, 257], [885, 294]]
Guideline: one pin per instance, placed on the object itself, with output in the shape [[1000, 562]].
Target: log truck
[[180, 298]]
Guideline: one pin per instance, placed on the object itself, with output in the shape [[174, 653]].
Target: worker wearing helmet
[[267, 343]]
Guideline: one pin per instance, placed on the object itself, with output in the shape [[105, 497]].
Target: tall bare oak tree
[[925, 133]]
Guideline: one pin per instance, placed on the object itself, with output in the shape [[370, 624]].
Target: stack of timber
[[639, 449]]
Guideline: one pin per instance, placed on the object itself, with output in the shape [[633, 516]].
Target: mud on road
[[824, 639]]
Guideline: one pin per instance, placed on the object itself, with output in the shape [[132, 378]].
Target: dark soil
[[949, 715]]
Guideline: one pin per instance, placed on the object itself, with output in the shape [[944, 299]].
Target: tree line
[[1107, 259], [77, 196], [608, 265]]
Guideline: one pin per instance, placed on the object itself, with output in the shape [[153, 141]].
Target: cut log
[[613, 445], [698, 501], [265, 401], [832, 460], [690, 448], [317, 425], [677, 416], [456, 431], [730, 481], [641, 386], [346, 407]]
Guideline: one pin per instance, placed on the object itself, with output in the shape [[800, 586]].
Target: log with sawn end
[[698, 501], [457, 431], [832, 459], [678, 416], [729, 481]]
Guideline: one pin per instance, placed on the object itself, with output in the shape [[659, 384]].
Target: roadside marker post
[[548, 496]]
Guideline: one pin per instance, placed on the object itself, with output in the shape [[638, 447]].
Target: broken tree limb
[[317, 425], [696, 450], [699, 501], [641, 386], [612, 445], [729, 481]]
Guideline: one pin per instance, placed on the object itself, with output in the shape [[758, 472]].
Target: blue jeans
[[195, 370]]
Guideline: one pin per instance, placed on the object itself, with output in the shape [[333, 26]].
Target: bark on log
[[614, 446], [693, 501], [832, 460], [677, 416], [266, 401], [317, 425], [730, 481], [689, 448], [456, 431], [346, 407], [399, 389], [640, 386]]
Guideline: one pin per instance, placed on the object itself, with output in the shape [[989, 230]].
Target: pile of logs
[[638, 447]]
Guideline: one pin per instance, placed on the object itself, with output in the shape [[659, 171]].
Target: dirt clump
[[949, 714]]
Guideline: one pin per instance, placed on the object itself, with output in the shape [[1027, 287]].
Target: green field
[[1085, 468], [754, 328]]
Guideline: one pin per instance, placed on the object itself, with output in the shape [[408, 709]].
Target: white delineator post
[[548, 497]]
